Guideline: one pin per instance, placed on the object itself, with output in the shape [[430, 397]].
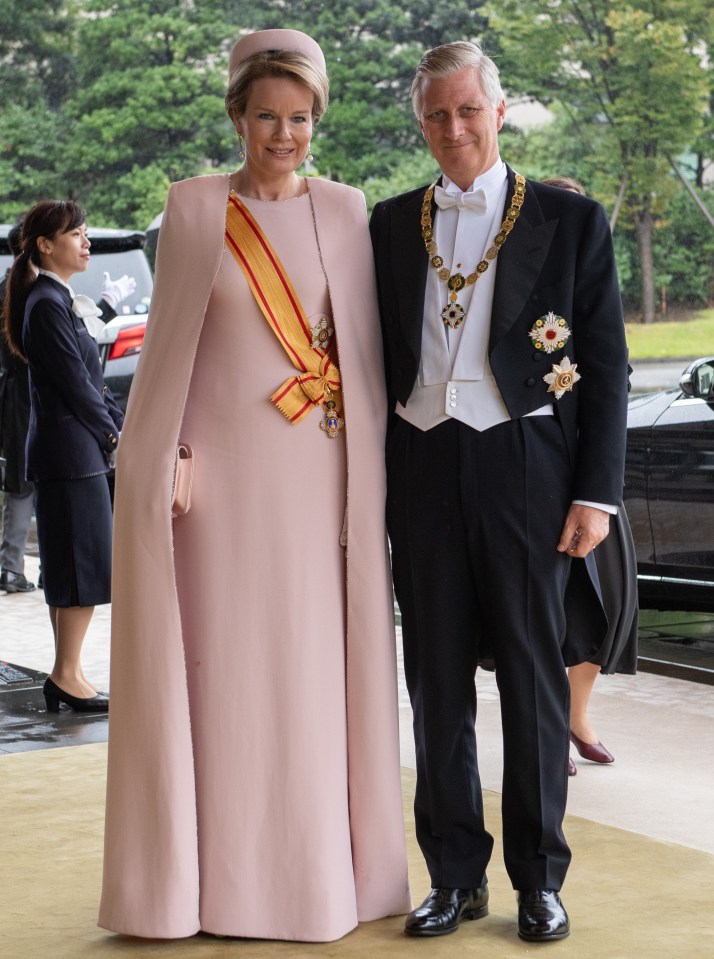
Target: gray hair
[[449, 58]]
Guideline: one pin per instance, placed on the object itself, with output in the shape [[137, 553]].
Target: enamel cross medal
[[332, 422]]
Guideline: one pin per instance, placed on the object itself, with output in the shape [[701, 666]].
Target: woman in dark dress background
[[617, 570], [73, 434]]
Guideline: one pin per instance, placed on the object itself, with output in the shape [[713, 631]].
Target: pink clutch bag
[[183, 480]]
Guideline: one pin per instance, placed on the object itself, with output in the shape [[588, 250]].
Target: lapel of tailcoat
[[519, 263]]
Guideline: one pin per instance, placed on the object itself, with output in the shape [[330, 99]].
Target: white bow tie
[[475, 200]]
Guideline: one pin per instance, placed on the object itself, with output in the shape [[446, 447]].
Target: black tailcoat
[[475, 518], [559, 257]]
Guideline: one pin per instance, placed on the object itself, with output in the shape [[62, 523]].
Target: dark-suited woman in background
[[617, 570], [73, 433]]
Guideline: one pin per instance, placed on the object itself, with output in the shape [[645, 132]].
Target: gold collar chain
[[453, 313]]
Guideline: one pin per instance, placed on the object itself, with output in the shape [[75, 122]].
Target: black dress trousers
[[474, 519]]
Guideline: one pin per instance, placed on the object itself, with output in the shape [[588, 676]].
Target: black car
[[669, 491]]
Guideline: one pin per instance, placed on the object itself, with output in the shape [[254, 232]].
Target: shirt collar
[[490, 181]]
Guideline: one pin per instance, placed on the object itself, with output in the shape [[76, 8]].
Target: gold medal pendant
[[332, 422], [453, 313]]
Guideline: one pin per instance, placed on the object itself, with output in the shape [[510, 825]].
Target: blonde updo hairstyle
[[276, 63]]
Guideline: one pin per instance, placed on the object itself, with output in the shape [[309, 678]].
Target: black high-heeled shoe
[[54, 696]]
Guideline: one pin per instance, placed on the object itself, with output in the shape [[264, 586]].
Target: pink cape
[[151, 874]]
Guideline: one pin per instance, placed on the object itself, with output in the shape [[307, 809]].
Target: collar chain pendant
[[453, 313]]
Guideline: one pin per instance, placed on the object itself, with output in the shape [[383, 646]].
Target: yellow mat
[[629, 897]]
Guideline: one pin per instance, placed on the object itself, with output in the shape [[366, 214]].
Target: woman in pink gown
[[253, 782]]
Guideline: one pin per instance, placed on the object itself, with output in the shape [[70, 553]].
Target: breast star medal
[[549, 333], [562, 378]]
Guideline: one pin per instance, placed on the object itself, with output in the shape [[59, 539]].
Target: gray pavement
[[26, 634], [660, 730]]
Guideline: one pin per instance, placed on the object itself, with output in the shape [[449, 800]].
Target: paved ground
[[660, 730]]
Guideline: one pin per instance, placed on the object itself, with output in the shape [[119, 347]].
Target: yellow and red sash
[[318, 381]]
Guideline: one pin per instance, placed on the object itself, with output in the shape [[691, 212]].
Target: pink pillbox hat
[[276, 40]]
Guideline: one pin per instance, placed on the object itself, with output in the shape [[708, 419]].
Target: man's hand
[[585, 527]]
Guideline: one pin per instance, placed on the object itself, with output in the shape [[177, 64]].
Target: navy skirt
[[74, 534], [617, 570]]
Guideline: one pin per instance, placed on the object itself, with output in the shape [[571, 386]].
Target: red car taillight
[[128, 342]]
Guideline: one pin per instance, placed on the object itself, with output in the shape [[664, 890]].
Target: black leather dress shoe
[[541, 915], [54, 695], [15, 582], [443, 910]]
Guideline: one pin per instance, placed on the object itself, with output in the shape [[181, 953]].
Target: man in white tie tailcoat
[[506, 367]]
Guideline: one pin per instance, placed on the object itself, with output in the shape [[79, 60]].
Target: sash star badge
[[549, 333], [322, 334], [562, 378]]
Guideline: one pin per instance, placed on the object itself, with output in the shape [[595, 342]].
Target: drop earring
[[241, 148], [309, 156]]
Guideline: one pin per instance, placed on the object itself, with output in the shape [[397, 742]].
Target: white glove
[[114, 291]]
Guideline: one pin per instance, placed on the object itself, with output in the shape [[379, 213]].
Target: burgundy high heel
[[595, 752]]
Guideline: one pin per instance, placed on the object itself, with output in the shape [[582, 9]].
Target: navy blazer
[[559, 257], [74, 419]]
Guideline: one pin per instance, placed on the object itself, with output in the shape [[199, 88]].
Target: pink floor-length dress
[[264, 623]]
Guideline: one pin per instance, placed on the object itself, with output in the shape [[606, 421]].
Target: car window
[[704, 380], [131, 262]]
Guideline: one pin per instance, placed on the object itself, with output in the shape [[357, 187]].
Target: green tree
[[699, 24], [149, 103], [684, 253], [119, 97], [417, 169], [635, 69], [36, 51], [36, 76], [372, 48]]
